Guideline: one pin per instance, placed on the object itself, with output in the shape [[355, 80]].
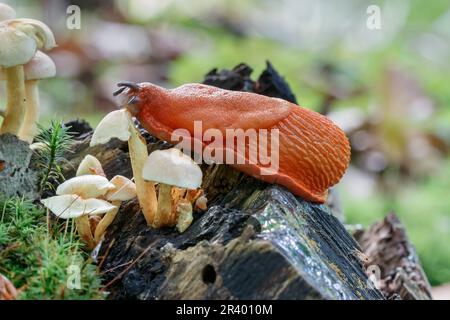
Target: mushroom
[[119, 124], [90, 165], [201, 203], [124, 190], [20, 38], [170, 168], [40, 67], [6, 12], [185, 218], [86, 186], [76, 198]]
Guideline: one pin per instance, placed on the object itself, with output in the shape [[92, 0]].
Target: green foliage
[[54, 143], [36, 258]]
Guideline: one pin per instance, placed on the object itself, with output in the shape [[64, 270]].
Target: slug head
[[137, 95]]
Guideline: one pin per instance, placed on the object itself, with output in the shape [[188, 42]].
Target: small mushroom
[[201, 203], [119, 124], [90, 165], [40, 67], [20, 38], [76, 198], [86, 186], [6, 12], [124, 190], [185, 218], [170, 168], [69, 206]]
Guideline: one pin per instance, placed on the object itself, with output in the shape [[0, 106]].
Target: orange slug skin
[[313, 152]]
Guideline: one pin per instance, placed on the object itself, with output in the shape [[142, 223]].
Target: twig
[[106, 253], [126, 269]]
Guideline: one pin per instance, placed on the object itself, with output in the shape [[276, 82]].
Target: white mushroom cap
[[87, 186], [41, 66], [17, 48], [6, 12], [172, 167], [73, 206], [35, 29], [124, 189], [115, 124], [89, 165], [20, 38]]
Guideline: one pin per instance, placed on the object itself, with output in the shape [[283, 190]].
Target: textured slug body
[[313, 152]]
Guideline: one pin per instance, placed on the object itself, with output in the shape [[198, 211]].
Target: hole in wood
[[209, 274]]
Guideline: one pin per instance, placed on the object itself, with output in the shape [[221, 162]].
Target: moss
[[41, 262]]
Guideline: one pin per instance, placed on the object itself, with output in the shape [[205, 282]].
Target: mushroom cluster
[[21, 66], [91, 199], [167, 181]]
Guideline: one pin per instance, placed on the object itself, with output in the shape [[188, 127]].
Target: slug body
[[313, 152]]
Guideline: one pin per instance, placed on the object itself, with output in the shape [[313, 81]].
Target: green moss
[[37, 260]]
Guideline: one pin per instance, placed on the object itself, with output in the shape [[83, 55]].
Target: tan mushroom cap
[[72, 206], [89, 165], [41, 66], [172, 167], [124, 189], [115, 124], [87, 186], [6, 12]]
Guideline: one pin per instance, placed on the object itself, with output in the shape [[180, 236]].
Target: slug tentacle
[[126, 85]]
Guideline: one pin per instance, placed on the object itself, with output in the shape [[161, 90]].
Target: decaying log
[[17, 178], [390, 253], [298, 250]]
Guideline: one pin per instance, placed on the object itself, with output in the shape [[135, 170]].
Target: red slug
[[313, 152]]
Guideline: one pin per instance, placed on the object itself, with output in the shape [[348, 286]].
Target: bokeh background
[[389, 89]]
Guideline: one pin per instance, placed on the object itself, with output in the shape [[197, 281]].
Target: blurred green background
[[387, 88]]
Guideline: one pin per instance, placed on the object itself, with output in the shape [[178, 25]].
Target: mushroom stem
[[84, 231], [29, 126], [107, 219], [145, 190], [164, 210], [15, 109], [184, 212]]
